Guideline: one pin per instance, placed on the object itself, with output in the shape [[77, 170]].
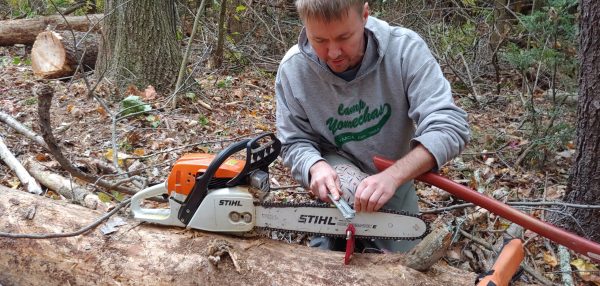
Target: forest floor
[[235, 106]]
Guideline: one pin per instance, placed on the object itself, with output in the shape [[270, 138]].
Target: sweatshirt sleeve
[[299, 142], [441, 126]]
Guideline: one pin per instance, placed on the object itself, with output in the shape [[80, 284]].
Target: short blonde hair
[[327, 10]]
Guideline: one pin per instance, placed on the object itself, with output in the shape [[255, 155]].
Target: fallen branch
[[564, 258], [63, 186], [45, 94], [28, 182], [22, 129]]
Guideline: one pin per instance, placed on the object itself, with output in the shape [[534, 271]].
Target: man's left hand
[[374, 191]]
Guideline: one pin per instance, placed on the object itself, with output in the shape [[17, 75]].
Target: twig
[[473, 88], [187, 53], [69, 234], [545, 203], [11, 161]]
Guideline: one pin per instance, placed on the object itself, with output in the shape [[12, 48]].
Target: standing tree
[[584, 180], [139, 44]]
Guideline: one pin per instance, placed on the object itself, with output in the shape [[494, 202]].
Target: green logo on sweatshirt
[[361, 115]]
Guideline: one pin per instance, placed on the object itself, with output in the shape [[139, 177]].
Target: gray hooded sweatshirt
[[398, 98]]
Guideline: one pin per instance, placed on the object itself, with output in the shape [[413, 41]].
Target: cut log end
[[49, 57], [54, 54]]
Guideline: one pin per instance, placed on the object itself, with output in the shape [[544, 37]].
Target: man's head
[[335, 30]]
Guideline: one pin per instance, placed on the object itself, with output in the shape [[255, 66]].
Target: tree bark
[[24, 31], [55, 55], [143, 254], [584, 180], [139, 44]]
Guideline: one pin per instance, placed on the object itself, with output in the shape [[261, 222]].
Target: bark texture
[[584, 180], [139, 44], [151, 255], [57, 54], [24, 31]]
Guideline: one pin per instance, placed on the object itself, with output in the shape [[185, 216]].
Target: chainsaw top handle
[[259, 155]]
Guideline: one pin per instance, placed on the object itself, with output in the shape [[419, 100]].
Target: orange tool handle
[[558, 235], [506, 264]]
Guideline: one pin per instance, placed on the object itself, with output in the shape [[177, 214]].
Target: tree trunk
[[218, 55], [25, 31], [139, 44], [584, 180], [143, 254], [54, 54]]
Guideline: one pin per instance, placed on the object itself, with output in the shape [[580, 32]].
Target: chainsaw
[[213, 193]]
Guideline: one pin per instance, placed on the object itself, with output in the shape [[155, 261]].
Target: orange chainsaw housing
[[183, 175]]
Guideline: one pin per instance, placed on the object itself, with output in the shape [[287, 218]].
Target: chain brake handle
[[257, 157]]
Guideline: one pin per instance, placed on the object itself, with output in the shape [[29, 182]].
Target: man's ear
[[365, 13]]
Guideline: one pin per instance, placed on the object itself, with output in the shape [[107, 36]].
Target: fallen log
[[54, 53], [24, 31], [153, 255]]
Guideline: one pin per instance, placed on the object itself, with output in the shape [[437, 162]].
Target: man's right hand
[[324, 180]]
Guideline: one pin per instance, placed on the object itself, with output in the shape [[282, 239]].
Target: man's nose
[[334, 51]]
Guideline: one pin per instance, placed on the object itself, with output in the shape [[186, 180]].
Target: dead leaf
[[42, 157], [550, 259], [133, 90], [101, 111], [149, 93], [555, 192], [112, 225], [586, 270], [139, 152], [120, 156]]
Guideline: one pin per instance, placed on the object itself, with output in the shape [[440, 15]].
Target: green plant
[[203, 120], [225, 83]]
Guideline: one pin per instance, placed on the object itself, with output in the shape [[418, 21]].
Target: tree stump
[[54, 54]]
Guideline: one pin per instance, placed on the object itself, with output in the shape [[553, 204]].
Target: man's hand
[[324, 180], [374, 191]]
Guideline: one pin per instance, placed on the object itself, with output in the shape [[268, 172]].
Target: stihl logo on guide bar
[[316, 219], [230, 203]]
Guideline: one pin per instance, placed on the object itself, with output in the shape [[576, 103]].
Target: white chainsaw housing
[[222, 210], [225, 210]]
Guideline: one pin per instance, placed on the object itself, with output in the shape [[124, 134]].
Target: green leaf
[[16, 60], [133, 104], [104, 197], [190, 95], [240, 8], [118, 196]]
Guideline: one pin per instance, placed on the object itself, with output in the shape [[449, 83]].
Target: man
[[354, 87]]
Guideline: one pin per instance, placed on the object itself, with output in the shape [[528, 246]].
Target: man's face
[[339, 43]]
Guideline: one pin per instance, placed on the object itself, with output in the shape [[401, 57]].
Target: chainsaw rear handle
[[506, 266], [160, 216], [258, 156], [558, 235]]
